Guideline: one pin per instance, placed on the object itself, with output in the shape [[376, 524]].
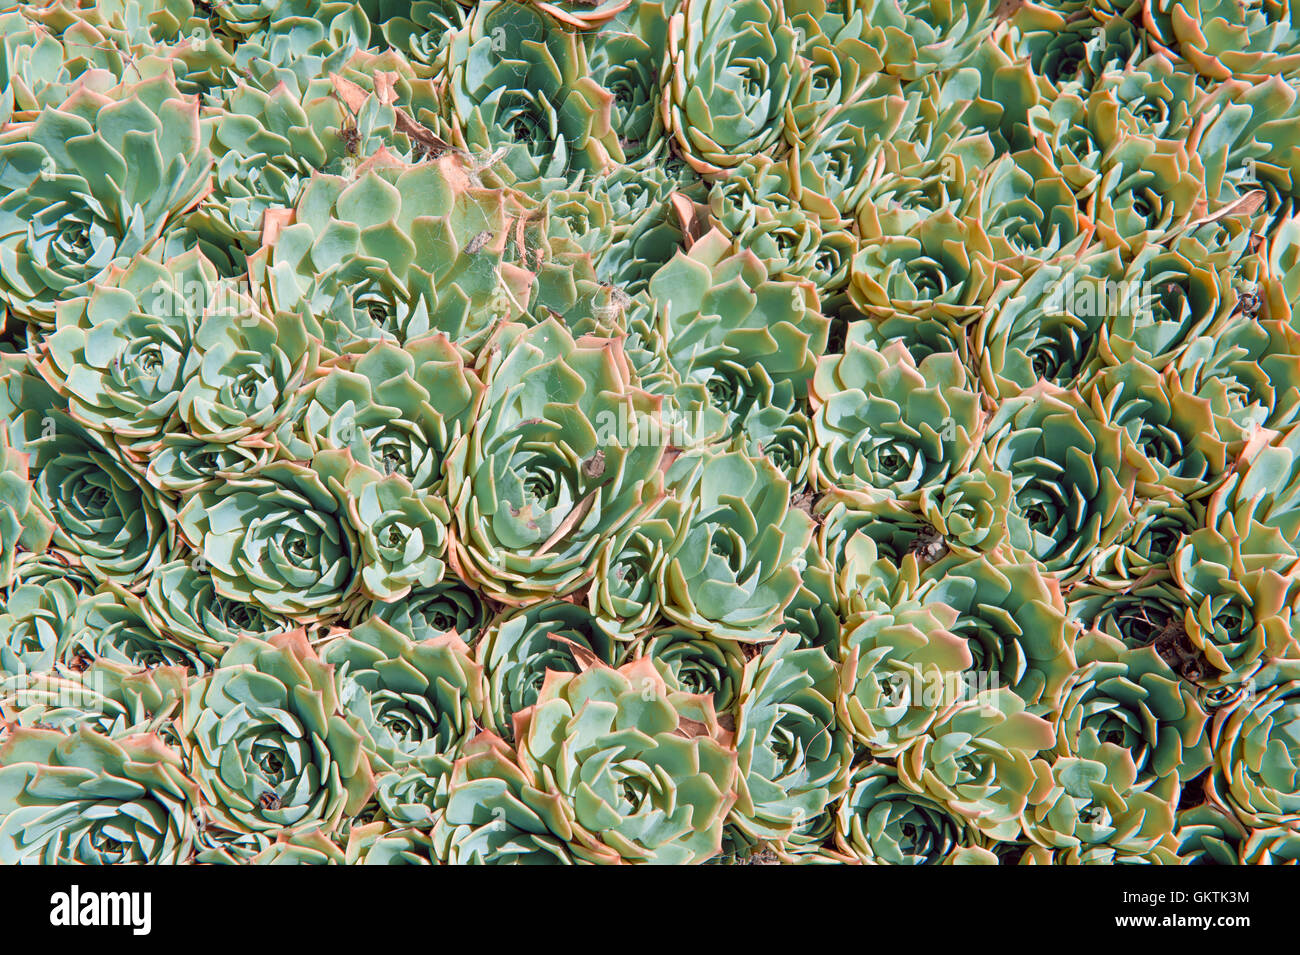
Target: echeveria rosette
[[21, 525], [1166, 299], [735, 566], [1131, 698], [1246, 375], [696, 663], [1027, 208], [980, 760], [111, 625], [1068, 45], [122, 354], [281, 539], [625, 58], [1071, 487], [1094, 803], [928, 266], [1150, 98], [624, 593], [900, 668], [584, 218], [269, 743], [1222, 40], [493, 815], [267, 143], [448, 607], [398, 410], [755, 206], [396, 252], [1254, 774], [1148, 610], [82, 798], [731, 73], [720, 330], [181, 601], [248, 366], [647, 230], [49, 565], [834, 71], [1239, 602], [414, 700], [35, 620], [946, 132], [170, 347], [1170, 438], [882, 822], [1043, 328], [518, 80], [378, 843], [93, 183], [1140, 204], [861, 547], [40, 62], [967, 511], [101, 512], [1061, 128], [112, 699], [793, 755], [1259, 503], [421, 30], [1014, 620], [1147, 545], [401, 534], [180, 463], [912, 38], [520, 648], [636, 770], [883, 421], [534, 489], [834, 162]]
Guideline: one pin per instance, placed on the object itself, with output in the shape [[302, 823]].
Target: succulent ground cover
[[677, 431]]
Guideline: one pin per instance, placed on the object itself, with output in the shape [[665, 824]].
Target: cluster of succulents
[[649, 431]]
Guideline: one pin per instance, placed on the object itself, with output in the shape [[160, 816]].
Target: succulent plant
[[698, 664], [901, 667], [979, 759], [398, 251], [564, 456], [1254, 771], [298, 555], [882, 822], [101, 512], [738, 432], [887, 422], [793, 756], [610, 766], [519, 649], [415, 700], [732, 73], [1071, 487], [734, 568], [20, 523], [82, 798], [518, 82], [93, 182], [269, 743]]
